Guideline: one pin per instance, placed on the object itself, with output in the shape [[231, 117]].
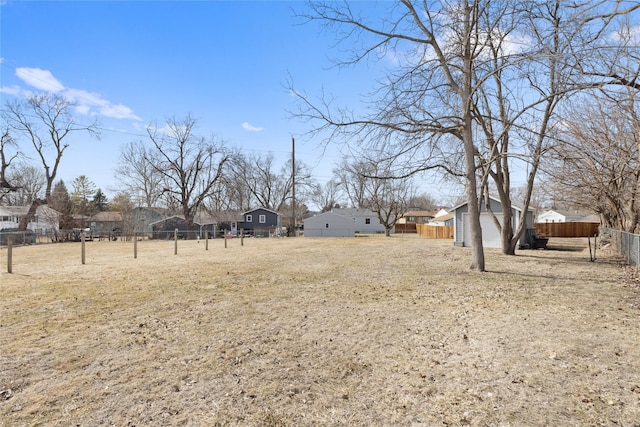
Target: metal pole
[[135, 245], [206, 240]]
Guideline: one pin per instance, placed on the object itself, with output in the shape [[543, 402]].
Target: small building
[[261, 222], [329, 224], [491, 237], [365, 220]]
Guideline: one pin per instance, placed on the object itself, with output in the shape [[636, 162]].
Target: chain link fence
[[627, 244]]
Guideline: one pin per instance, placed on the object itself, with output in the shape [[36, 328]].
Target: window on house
[[249, 218], [262, 219], [412, 219], [367, 221]]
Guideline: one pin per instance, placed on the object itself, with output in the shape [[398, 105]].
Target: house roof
[[442, 218], [262, 209], [430, 213], [514, 204], [108, 216], [23, 210], [354, 212]]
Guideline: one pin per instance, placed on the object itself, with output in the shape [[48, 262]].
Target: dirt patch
[[291, 332]]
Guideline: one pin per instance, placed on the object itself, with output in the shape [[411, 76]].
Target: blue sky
[[133, 63]]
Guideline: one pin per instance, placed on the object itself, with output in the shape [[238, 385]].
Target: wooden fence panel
[[406, 228], [567, 229], [435, 231]]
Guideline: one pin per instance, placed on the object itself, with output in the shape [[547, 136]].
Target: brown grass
[[314, 332]]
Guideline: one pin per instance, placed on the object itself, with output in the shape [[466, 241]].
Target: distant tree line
[[177, 169]]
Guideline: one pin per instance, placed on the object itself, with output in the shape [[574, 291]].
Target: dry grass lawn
[[317, 332]]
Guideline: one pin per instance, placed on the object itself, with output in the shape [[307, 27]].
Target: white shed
[[491, 237], [329, 224]]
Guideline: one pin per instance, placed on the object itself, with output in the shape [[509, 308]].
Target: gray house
[[329, 224], [365, 220], [490, 234]]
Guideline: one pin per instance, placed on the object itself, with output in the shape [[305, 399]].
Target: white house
[[491, 237], [329, 224], [556, 215], [46, 220]]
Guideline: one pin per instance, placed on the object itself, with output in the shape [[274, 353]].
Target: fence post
[[135, 245], [225, 238], [242, 237], [175, 241], [9, 254], [82, 245], [206, 240]]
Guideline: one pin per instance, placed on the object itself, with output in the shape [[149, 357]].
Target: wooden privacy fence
[[567, 229], [406, 228], [435, 231]]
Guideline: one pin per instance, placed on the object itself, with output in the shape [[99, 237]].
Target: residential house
[[106, 222], [46, 220], [491, 237], [556, 215], [261, 222]]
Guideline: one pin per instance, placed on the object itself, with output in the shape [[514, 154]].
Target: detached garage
[[490, 234], [329, 224]]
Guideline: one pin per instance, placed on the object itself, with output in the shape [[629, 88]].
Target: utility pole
[[293, 186]]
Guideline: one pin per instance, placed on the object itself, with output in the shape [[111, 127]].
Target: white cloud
[[87, 103], [119, 111], [629, 34], [12, 90], [39, 79], [248, 127]]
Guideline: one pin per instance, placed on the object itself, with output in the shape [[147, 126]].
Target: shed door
[[490, 233]]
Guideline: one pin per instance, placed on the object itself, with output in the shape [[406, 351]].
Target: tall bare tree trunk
[[477, 251]]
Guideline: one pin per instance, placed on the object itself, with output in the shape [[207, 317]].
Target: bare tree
[[326, 196], [271, 188], [136, 174], [474, 93], [29, 183], [8, 153], [190, 165], [597, 168], [368, 185], [46, 121]]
